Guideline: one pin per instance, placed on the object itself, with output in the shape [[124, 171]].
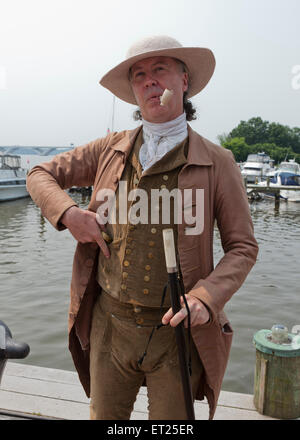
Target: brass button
[[146, 278], [128, 251], [165, 177], [137, 309], [125, 275], [107, 286], [163, 186], [148, 267], [153, 230], [131, 227], [129, 239], [139, 320], [126, 263], [145, 291], [151, 243], [150, 255], [123, 286]]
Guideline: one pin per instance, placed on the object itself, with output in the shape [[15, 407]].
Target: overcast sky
[[53, 53]]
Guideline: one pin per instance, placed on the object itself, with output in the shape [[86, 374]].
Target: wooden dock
[[38, 392]]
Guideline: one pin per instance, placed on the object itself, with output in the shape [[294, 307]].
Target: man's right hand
[[84, 227]]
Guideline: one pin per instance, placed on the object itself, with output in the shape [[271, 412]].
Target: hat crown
[[149, 44]]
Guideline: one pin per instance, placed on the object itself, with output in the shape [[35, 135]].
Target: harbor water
[[35, 273]]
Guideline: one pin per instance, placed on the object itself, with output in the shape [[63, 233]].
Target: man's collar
[[198, 153]]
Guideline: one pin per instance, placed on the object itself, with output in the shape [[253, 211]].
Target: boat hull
[[13, 192]]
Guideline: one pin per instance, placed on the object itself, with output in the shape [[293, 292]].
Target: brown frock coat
[[210, 167]]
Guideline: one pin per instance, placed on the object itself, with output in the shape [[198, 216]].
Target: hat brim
[[199, 61]]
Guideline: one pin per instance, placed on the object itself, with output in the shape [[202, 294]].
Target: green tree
[[256, 131], [238, 147]]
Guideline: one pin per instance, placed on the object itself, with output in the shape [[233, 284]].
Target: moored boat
[[12, 178]]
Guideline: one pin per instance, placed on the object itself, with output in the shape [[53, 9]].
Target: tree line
[[280, 142]]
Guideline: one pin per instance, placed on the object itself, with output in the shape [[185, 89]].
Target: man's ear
[[185, 82]]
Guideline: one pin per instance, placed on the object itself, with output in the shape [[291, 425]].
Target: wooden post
[[277, 199]]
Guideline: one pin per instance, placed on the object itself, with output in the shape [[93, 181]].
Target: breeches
[[118, 339]]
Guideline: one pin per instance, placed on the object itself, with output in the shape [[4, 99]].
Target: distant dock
[[28, 391]]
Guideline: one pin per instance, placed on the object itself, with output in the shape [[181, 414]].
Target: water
[[35, 273]]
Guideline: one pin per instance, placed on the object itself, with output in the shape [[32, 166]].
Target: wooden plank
[[35, 372], [43, 406]]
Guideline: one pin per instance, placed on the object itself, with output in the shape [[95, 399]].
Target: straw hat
[[199, 61]]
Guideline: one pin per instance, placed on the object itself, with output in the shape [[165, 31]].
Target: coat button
[[151, 243], [123, 286], [153, 230], [148, 267], [150, 255], [139, 321], [128, 251], [84, 281], [146, 291], [163, 186], [165, 177], [146, 278], [89, 262], [125, 275], [137, 309], [126, 263]]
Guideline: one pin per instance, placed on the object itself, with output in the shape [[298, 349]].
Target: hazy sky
[[53, 53]]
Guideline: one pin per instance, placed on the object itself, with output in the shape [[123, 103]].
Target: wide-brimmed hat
[[199, 61]]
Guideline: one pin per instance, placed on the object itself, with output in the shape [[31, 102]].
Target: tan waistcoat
[[136, 271]]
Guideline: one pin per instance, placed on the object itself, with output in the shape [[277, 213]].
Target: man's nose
[[150, 81]]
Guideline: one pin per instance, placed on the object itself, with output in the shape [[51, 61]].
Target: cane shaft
[[180, 340]]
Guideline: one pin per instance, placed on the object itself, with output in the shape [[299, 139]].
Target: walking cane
[[169, 246]]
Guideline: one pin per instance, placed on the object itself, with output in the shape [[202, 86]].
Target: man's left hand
[[198, 312]]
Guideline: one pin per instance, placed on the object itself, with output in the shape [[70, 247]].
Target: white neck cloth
[[161, 138]]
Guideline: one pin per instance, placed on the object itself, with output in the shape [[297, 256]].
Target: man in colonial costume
[[119, 270]]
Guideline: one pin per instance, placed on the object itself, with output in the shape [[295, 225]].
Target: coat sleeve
[[232, 213], [46, 182]]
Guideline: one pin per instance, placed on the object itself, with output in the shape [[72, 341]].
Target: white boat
[[12, 178], [257, 167], [288, 173]]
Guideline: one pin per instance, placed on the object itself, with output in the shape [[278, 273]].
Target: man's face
[[149, 78]]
